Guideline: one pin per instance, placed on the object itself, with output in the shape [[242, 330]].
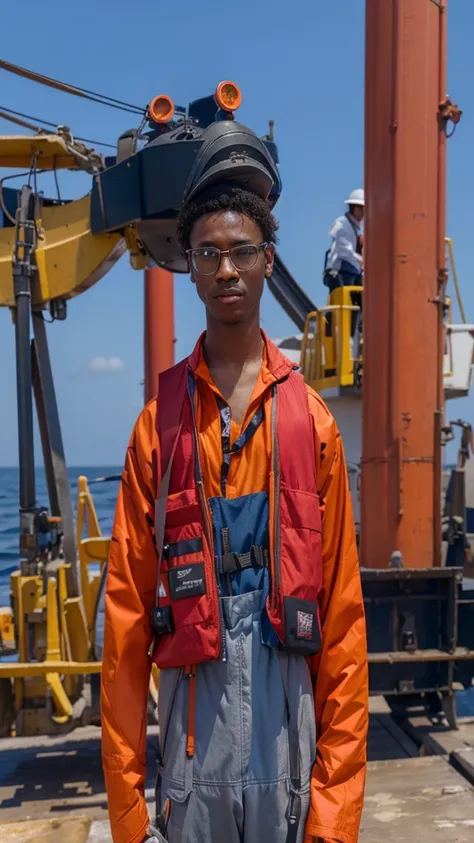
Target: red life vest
[[188, 585]]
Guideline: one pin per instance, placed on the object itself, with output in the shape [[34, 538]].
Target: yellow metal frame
[[53, 665], [92, 549], [52, 633], [52, 661], [70, 259], [7, 630], [18, 670], [60, 645], [326, 361], [48, 150]]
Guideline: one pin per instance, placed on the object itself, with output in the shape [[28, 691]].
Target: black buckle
[[294, 816], [161, 620]]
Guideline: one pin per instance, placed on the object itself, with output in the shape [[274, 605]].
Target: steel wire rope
[[44, 124], [77, 91]]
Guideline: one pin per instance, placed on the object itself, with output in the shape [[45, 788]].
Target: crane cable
[[19, 122], [102, 99], [41, 125]]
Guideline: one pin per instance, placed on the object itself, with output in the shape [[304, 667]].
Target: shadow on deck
[[53, 776]]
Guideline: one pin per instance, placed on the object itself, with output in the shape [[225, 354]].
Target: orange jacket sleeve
[[340, 669], [130, 594]]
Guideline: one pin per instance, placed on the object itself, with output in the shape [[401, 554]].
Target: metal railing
[[332, 341], [332, 349]]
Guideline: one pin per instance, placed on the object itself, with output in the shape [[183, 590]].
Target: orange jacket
[[340, 669]]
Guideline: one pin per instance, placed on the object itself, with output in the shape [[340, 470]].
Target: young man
[[344, 261], [258, 616]]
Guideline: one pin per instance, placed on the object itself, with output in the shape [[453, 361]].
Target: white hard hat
[[356, 197]]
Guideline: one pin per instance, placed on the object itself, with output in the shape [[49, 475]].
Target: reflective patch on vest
[[301, 626], [304, 625], [162, 591], [187, 581]]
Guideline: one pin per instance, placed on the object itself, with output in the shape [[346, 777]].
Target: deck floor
[[417, 800], [52, 790]]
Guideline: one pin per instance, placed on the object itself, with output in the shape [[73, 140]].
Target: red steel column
[[403, 256], [159, 327]]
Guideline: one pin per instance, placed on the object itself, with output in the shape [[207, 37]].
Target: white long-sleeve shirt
[[344, 244]]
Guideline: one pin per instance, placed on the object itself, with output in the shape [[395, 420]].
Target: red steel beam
[[159, 327], [404, 263]]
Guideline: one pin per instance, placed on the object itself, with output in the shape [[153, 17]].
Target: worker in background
[[344, 264], [237, 571]]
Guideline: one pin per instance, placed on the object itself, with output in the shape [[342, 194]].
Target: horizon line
[[83, 465]]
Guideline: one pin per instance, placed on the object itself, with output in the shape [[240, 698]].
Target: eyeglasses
[[207, 260]]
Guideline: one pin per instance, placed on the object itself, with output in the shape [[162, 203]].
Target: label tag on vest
[[301, 626], [162, 591], [187, 581]]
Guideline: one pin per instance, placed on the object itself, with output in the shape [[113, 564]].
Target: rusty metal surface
[[407, 657], [403, 298], [400, 574]]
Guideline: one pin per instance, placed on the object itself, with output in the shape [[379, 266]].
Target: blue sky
[[300, 64]]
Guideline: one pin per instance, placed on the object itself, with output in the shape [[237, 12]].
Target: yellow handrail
[[92, 547], [326, 355], [328, 358]]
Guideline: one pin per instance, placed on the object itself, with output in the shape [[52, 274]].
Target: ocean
[[104, 494]]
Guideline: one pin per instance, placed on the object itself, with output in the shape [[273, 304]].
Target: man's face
[[358, 212], [231, 295]]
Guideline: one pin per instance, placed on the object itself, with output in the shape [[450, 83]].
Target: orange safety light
[[228, 96], [161, 109]]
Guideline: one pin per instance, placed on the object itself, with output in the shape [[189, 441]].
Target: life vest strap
[[229, 563]]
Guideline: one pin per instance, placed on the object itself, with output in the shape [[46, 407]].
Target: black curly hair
[[226, 197]]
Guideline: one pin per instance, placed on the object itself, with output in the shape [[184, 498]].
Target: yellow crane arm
[[69, 258], [50, 150]]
